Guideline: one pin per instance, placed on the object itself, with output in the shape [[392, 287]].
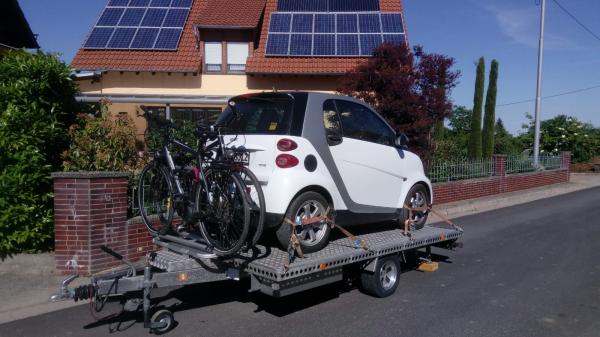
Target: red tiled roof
[[258, 63], [231, 14], [186, 58]]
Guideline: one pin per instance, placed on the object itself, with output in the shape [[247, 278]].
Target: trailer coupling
[[64, 292]]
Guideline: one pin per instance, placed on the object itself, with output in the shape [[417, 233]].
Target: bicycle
[[213, 194]]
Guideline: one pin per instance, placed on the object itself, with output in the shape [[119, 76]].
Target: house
[[15, 32], [187, 57]]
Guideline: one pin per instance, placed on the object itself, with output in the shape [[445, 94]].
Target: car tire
[[311, 239], [418, 196], [384, 280]]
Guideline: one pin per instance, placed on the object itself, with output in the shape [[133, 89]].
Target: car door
[[370, 165]]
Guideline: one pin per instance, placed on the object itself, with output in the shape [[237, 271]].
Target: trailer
[[272, 271]]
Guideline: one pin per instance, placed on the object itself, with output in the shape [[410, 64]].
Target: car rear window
[[262, 115]]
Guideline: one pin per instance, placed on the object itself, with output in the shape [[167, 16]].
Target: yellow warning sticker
[[273, 126]]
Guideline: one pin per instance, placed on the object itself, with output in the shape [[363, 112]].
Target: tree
[[460, 121], [504, 142], [475, 149], [410, 89], [36, 107], [487, 136]]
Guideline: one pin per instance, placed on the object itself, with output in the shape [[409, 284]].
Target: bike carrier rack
[[189, 260]]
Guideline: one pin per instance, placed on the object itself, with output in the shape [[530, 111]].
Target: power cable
[[552, 96], [577, 20]]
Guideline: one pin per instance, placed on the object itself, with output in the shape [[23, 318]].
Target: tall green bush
[[36, 106], [487, 136], [103, 142], [475, 150]]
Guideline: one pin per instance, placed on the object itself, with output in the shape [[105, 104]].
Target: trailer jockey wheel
[[384, 281], [162, 321]]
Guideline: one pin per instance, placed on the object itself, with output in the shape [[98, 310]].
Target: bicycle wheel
[[155, 199], [256, 199], [225, 216]]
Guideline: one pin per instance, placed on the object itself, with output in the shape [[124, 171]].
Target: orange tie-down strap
[[325, 219], [428, 208]]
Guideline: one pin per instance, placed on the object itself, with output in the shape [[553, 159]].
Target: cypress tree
[[487, 136], [475, 136]]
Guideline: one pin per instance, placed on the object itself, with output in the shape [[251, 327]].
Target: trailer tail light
[[285, 144], [286, 161]]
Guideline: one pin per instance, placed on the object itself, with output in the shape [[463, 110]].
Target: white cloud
[[521, 25]]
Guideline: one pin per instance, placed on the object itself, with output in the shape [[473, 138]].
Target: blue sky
[[506, 30]]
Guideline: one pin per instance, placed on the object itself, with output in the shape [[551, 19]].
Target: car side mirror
[[402, 141]]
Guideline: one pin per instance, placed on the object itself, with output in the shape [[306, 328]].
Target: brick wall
[[500, 182], [90, 210]]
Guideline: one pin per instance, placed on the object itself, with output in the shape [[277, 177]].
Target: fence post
[[565, 160], [499, 161], [90, 210]]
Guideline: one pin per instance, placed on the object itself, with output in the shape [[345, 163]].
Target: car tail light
[[286, 161], [285, 144]]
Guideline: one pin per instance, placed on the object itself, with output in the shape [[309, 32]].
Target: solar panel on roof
[[160, 3], [110, 17], [277, 44], [368, 43], [369, 23], [324, 45], [121, 39], [132, 17], [332, 34], [140, 24], [175, 17], [99, 37], [118, 2], [139, 3], [394, 38], [181, 3], [302, 23], [353, 5], [392, 23], [154, 17], [300, 44], [347, 23], [327, 5], [347, 44], [144, 38], [324, 23], [168, 38], [280, 23]]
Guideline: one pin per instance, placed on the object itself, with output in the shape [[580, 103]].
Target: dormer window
[[237, 53], [213, 57]]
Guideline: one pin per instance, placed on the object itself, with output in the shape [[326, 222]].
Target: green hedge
[[36, 108]]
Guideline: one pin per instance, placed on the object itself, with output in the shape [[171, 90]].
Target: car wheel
[[313, 237], [384, 281], [418, 196]]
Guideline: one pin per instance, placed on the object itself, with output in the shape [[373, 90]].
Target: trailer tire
[[162, 316], [384, 281]]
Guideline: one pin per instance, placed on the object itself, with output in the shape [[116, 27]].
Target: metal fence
[[462, 169], [442, 171], [520, 164]]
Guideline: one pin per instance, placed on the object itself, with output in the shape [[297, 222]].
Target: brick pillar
[[499, 165], [90, 210]]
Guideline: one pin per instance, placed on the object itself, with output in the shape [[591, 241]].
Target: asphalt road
[[529, 270]]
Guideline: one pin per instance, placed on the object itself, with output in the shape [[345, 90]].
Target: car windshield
[[258, 115]]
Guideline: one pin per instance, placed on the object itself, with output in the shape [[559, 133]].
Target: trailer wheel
[[163, 317], [384, 281]]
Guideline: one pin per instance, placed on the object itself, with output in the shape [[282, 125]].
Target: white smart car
[[314, 151]]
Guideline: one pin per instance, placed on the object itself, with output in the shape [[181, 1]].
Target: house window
[[237, 53], [213, 56], [190, 114]]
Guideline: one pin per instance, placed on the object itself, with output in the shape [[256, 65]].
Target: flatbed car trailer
[[182, 261]]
